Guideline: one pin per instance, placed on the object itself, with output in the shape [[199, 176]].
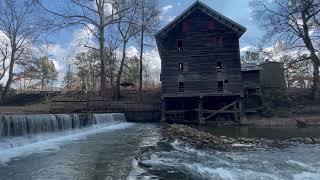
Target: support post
[[201, 119], [238, 111], [243, 118], [163, 111]]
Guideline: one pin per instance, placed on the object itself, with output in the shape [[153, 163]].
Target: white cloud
[[80, 38], [61, 56], [246, 48], [56, 65], [107, 7], [311, 32], [4, 40], [56, 52], [152, 59], [165, 9], [171, 18], [132, 51]]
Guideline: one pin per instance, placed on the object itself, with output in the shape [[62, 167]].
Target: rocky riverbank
[[300, 121], [203, 140]]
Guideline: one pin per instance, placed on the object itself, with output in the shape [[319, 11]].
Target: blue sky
[[237, 10], [65, 44]]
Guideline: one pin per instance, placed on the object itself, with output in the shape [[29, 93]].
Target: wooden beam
[[200, 112], [163, 112], [218, 111], [221, 110]]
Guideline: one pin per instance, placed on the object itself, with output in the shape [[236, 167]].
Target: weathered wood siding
[[251, 79], [200, 54], [272, 75]]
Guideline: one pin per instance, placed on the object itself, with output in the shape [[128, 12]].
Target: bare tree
[[22, 25], [295, 24], [149, 18], [94, 15], [113, 42], [4, 56], [127, 29]]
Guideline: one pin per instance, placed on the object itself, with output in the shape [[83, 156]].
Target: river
[[107, 151]]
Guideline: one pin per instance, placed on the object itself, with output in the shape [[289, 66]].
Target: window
[[220, 86], [179, 45], [185, 27], [219, 66], [226, 81], [210, 25], [217, 40], [180, 66], [181, 87]]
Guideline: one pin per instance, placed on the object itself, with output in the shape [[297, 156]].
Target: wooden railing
[[101, 105]]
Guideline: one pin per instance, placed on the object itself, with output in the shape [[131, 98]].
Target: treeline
[[83, 74], [291, 36], [104, 67]]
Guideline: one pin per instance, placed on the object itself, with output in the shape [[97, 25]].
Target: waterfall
[[22, 125]]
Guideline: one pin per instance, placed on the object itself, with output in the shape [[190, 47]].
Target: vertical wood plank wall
[[200, 53]]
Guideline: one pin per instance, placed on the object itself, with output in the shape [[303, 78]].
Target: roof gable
[[239, 29]]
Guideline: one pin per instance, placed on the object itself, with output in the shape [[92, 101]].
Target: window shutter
[[185, 27], [210, 25], [181, 87], [185, 67]]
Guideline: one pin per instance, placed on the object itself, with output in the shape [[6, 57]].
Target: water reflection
[[105, 155]]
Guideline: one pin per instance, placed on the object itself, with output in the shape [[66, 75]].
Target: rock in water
[[301, 123], [203, 140], [308, 140]]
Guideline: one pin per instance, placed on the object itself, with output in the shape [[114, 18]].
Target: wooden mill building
[[201, 70]]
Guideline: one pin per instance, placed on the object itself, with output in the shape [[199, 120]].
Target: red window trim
[[210, 25], [185, 26]]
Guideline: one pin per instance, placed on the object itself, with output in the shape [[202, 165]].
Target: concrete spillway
[[22, 125]]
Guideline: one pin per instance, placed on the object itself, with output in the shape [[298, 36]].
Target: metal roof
[[210, 12], [250, 67]]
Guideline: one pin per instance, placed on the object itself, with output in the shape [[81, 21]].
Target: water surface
[[95, 153], [108, 151]]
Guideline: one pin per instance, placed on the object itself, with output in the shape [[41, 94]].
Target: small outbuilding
[[251, 79], [272, 75]]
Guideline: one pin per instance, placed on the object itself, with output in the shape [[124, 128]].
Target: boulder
[[228, 140], [301, 123], [308, 141]]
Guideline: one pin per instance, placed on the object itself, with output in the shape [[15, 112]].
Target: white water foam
[[306, 176], [232, 165], [301, 165], [55, 140]]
